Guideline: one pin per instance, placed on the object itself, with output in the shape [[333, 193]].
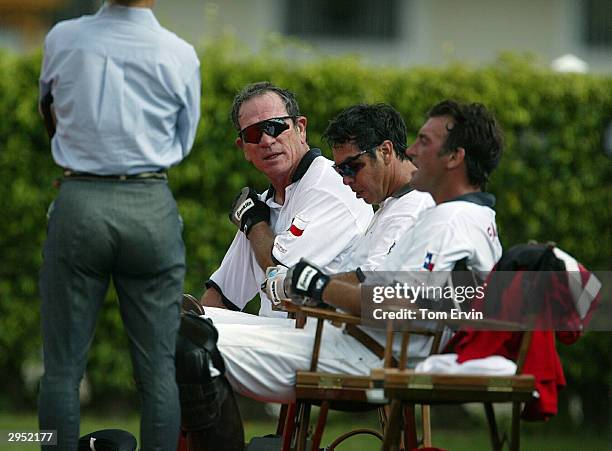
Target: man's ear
[[240, 144], [300, 125], [456, 158], [386, 149]]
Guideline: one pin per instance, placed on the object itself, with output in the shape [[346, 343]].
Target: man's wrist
[[308, 280]]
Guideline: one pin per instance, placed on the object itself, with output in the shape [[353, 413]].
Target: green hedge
[[553, 183]]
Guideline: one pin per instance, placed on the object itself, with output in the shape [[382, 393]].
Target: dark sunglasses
[[350, 167], [272, 127]]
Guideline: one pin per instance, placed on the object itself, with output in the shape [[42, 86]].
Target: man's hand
[[305, 280], [278, 288], [274, 284], [248, 210]]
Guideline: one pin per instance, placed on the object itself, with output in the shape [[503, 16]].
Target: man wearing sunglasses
[[381, 178], [369, 147], [455, 152], [306, 211]]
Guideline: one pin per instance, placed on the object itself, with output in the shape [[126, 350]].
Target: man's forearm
[[262, 240], [344, 295], [350, 277]]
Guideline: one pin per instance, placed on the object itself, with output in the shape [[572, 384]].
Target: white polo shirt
[[462, 228], [321, 220], [394, 217]]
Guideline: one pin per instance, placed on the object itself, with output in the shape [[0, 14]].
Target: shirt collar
[[143, 16], [478, 198], [403, 190], [301, 169]]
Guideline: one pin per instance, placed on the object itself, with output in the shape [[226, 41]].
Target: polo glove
[[274, 284], [274, 287], [305, 280], [248, 210]]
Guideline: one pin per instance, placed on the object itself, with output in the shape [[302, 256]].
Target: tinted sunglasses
[[350, 167], [271, 127]]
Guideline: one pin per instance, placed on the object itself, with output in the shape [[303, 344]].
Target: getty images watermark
[[414, 293], [537, 300]]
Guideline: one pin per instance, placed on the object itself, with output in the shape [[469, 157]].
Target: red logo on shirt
[[298, 225], [295, 231]]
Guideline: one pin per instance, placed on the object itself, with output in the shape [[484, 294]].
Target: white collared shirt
[[395, 216], [126, 92], [321, 220], [446, 234], [442, 236]]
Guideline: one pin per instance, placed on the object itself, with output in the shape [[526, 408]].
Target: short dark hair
[[261, 88], [476, 130], [367, 126]]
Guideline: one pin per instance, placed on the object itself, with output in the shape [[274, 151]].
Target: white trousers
[[262, 354]]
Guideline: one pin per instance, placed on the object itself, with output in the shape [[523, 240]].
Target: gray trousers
[[130, 231]]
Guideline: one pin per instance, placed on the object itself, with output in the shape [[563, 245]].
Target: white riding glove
[[274, 283]]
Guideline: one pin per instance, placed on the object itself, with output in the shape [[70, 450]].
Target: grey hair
[[258, 89]]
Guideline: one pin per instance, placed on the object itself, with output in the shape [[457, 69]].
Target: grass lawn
[[536, 437]]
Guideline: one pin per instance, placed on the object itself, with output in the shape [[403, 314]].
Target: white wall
[[196, 20], [433, 32]]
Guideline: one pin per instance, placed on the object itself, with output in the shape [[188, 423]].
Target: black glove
[[248, 210], [306, 280]]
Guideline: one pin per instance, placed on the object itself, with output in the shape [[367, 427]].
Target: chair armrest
[[482, 324], [487, 324], [322, 313]]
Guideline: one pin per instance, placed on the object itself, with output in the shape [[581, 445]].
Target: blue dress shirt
[[126, 92]]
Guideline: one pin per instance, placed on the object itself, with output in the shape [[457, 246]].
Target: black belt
[[162, 175]]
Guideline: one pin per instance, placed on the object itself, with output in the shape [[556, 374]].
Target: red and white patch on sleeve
[[298, 225]]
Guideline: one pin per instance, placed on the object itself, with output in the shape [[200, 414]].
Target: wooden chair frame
[[337, 391], [406, 388]]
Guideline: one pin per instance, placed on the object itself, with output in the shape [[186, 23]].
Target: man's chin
[[365, 197], [274, 168]]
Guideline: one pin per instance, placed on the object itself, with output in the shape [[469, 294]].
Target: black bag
[[201, 395], [209, 412]]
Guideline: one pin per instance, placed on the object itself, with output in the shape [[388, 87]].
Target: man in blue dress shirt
[[125, 98]]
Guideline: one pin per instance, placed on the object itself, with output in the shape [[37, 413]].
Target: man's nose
[[410, 152], [266, 140]]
